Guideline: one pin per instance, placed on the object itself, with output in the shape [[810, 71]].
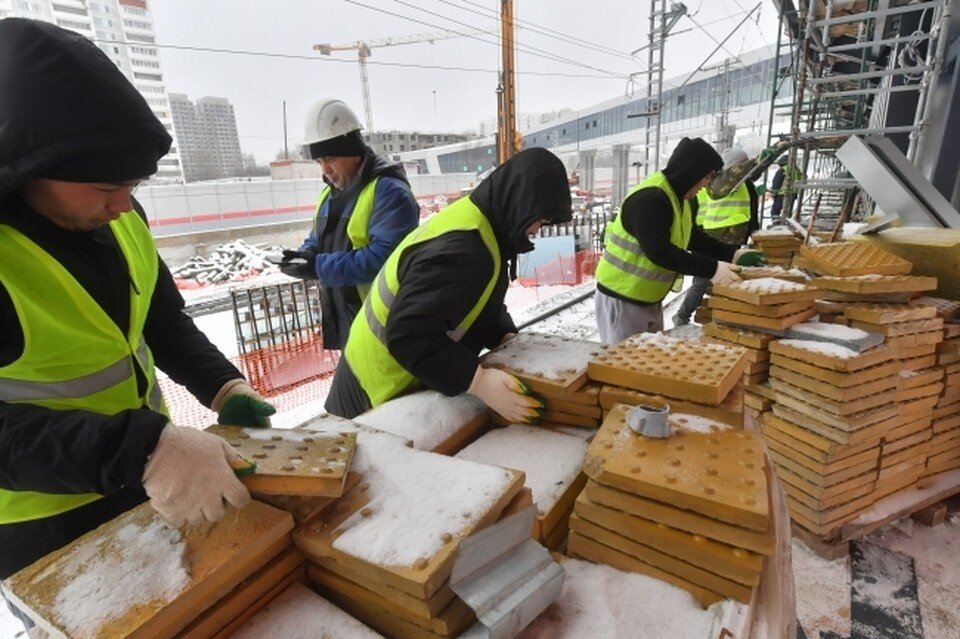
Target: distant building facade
[[123, 29], [390, 143], [209, 143]]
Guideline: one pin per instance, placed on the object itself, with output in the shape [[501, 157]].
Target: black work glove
[[299, 264]]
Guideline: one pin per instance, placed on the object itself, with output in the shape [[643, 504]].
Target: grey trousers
[[617, 319], [693, 297]]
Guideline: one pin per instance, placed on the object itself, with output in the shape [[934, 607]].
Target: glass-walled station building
[[726, 104]]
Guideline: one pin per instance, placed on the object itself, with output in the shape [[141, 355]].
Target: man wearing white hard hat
[[362, 214], [730, 219]]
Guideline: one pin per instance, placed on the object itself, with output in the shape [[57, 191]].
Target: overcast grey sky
[[571, 54]]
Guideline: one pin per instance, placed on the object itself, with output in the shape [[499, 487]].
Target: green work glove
[[239, 405], [761, 189], [747, 257]]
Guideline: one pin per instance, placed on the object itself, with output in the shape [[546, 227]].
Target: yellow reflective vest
[[380, 375], [74, 355], [358, 226], [624, 269], [728, 211]]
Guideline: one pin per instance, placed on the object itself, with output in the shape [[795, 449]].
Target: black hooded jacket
[[78, 451], [648, 216], [442, 279]]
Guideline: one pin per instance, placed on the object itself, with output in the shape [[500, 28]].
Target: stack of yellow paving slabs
[[775, 272], [757, 355], [292, 462], [779, 245], [551, 463], [873, 287], [691, 509], [385, 551], [844, 259], [913, 332], [677, 368], [832, 408], [136, 576], [555, 369], [947, 309], [431, 420], [766, 303], [944, 452], [729, 411]]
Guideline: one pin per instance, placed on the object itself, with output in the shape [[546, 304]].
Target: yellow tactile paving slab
[[947, 309], [788, 448], [733, 335], [828, 390], [853, 258], [730, 411], [580, 545], [818, 476], [574, 408], [876, 284], [304, 509], [285, 567], [916, 379], [734, 563], [94, 586], [292, 462], [864, 428], [767, 323], [381, 620], [810, 443], [776, 236], [423, 576], [756, 541], [720, 303], [841, 408], [919, 392], [776, 272], [654, 557], [888, 313], [712, 470], [907, 327], [550, 365], [450, 622], [661, 365], [817, 496], [832, 356], [907, 429], [830, 501], [849, 422], [767, 291], [828, 518]]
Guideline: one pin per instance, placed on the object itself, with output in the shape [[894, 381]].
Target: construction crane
[[363, 49]]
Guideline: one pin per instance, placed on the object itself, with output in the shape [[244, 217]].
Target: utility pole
[[286, 154], [661, 22], [508, 138]]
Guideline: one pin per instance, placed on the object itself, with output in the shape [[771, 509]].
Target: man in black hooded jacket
[[88, 311], [653, 241], [439, 299]]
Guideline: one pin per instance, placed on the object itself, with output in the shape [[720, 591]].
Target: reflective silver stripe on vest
[[387, 297], [718, 203], [21, 390], [655, 276], [625, 244], [155, 400]]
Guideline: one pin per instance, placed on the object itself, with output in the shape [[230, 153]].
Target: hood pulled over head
[[530, 186], [68, 113], [692, 160]]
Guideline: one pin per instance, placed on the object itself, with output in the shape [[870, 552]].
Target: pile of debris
[[229, 262]]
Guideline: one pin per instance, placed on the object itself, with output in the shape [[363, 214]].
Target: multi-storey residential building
[[209, 144], [389, 143], [123, 29]]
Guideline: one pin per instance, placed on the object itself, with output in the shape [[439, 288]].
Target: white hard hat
[[328, 119], [733, 156]]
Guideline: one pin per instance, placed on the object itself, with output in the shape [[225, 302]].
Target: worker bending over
[[362, 214], [730, 220], [88, 311], [439, 299], [653, 242]]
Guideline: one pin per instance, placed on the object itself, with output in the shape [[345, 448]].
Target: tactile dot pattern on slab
[[768, 285], [839, 257], [670, 358], [717, 471], [536, 355], [291, 453]]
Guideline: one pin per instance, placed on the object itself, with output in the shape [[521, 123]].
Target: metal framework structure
[[848, 61]]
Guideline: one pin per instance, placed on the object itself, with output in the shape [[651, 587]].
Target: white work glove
[[726, 273], [188, 476], [505, 394]]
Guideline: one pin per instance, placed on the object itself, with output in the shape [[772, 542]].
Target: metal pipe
[[934, 62]]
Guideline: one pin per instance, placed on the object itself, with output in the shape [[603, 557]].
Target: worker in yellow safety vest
[[778, 185], [439, 299], [730, 220], [653, 242], [362, 214], [89, 311]]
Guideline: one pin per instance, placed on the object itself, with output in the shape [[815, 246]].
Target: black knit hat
[[348, 144], [121, 164]]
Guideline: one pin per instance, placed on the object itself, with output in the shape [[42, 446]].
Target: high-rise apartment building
[[209, 144], [123, 29]]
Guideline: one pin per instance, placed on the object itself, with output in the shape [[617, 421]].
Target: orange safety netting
[[568, 270]]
